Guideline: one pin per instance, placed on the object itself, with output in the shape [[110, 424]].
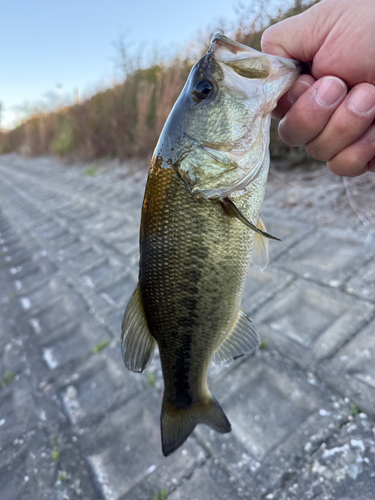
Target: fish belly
[[193, 264]]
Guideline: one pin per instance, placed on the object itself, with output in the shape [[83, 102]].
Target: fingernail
[[297, 90], [362, 100], [329, 91]]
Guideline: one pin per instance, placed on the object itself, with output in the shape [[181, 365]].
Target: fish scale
[[179, 238], [200, 229]]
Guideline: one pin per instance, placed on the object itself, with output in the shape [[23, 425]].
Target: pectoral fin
[[137, 343], [242, 340], [261, 256], [235, 212]]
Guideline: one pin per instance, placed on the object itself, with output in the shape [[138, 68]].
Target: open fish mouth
[[231, 52]]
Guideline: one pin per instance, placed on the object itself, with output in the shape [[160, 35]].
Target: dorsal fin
[[137, 343], [242, 340]]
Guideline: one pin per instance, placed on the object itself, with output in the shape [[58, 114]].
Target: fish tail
[[178, 423]]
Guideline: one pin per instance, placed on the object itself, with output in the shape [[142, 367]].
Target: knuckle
[[336, 168], [268, 38], [295, 129], [313, 150], [348, 163], [371, 165]]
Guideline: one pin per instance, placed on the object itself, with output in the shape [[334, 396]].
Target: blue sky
[[48, 42]]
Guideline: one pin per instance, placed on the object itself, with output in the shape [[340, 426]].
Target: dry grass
[[126, 120]]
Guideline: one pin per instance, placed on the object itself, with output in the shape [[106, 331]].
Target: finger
[[300, 37], [350, 120], [309, 115], [289, 98], [357, 158]]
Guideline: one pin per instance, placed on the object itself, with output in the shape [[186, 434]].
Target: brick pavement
[[75, 424]]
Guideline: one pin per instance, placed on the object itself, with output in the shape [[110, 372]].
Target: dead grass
[[125, 121]]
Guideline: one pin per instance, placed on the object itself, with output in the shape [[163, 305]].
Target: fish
[[201, 228]]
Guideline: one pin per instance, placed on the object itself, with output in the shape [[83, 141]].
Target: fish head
[[217, 134]]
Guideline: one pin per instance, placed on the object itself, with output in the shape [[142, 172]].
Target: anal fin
[[137, 343], [243, 339]]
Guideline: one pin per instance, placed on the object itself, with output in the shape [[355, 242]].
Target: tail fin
[[178, 423]]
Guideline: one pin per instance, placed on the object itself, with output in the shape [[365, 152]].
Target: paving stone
[[126, 229], [41, 294], [208, 482], [71, 342], [363, 282], [32, 274], [351, 371], [116, 222], [64, 239], [279, 417], [289, 231], [66, 299], [18, 412], [100, 384], [17, 256], [127, 450], [85, 259], [101, 272], [66, 252], [309, 322], [97, 224], [12, 356], [29, 473], [329, 256], [128, 246], [117, 293], [36, 468], [261, 286], [59, 311], [81, 211], [113, 320], [169, 474], [342, 469], [44, 226], [71, 208], [51, 231]]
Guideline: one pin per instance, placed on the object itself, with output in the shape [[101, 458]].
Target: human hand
[[335, 125]]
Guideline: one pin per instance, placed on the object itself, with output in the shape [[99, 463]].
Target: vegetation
[[161, 495], [102, 345], [263, 345], [355, 409], [125, 121], [55, 455], [8, 378], [151, 378]]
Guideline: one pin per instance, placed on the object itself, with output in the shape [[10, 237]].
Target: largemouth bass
[[201, 228]]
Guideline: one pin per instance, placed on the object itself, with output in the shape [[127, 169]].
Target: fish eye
[[202, 89]]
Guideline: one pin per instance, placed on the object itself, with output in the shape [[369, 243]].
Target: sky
[[49, 48]]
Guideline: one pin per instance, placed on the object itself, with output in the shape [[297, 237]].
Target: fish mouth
[[220, 40], [228, 51]]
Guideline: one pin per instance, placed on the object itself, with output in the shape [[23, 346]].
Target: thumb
[[300, 37]]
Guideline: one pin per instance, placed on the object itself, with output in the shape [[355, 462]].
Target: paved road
[[75, 424]]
